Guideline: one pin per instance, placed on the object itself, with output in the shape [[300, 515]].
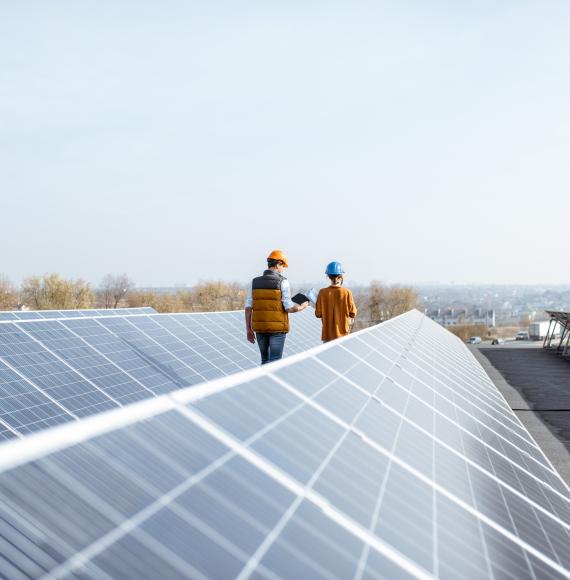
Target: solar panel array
[[59, 370], [388, 454], [559, 325], [41, 314]]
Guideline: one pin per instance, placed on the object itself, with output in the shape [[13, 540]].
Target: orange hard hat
[[278, 255]]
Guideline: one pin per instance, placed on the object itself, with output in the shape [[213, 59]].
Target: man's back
[[269, 313]]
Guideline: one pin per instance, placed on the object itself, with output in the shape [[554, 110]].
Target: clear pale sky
[[178, 141]]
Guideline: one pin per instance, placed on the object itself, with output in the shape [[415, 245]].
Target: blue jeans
[[270, 345]]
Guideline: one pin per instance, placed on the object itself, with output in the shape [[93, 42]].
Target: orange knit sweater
[[335, 306]]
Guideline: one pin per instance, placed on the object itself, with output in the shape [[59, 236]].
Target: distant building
[[462, 316]]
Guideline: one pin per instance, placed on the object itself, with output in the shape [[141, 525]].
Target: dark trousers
[[270, 345]]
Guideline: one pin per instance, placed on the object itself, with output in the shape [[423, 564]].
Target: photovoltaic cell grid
[[377, 456], [55, 371], [41, 314]]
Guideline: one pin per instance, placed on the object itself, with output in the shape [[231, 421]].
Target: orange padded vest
[[268, 313]]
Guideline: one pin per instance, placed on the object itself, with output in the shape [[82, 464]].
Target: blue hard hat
[[334, 269]]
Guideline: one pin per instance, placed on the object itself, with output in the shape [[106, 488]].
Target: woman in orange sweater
[[335, 305]]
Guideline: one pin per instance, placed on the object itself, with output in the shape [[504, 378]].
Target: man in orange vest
[[267, 308]]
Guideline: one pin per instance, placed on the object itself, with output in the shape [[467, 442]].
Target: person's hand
[[250, 336]]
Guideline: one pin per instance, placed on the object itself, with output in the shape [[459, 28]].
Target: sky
[[180, 141]]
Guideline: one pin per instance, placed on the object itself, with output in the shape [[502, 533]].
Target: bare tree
[[385, 302], [52, 292], [32, 292], [82, 293], [376, 302], [8, 294], [401, 299], [114, 288]]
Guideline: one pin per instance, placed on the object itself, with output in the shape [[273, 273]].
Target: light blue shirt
[[285, 295]]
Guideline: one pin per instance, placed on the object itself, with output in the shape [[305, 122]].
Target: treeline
[[204, 297], [376, 303], [53, 292]]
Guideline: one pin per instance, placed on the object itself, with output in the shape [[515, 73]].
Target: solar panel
[[328, 464], [58, 370], [559, 332], [41, 314]]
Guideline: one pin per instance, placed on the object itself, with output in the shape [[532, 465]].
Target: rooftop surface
[[536, 384]]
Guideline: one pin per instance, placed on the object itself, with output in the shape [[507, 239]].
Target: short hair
[[272, 263], [334, 278]]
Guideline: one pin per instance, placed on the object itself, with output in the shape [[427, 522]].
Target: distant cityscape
[[503, 305]]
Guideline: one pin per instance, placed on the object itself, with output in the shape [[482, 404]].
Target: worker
[[267, 308], [335, 305]]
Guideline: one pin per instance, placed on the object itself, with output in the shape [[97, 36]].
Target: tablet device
[[300, 298]]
